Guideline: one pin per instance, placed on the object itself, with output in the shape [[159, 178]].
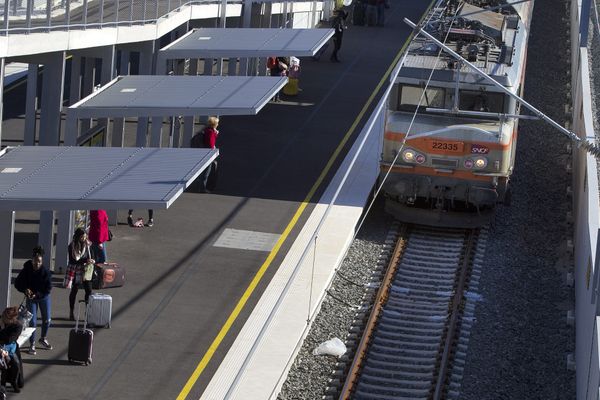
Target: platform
[[175, 319]]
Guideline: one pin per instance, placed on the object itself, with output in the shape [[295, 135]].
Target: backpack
[[197, 141], [271, 62]]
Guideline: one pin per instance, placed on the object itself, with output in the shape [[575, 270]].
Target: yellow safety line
[[242, 302]]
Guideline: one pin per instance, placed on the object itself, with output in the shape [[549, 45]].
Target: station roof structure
[[166, 95], [246, 42], [51, 177]]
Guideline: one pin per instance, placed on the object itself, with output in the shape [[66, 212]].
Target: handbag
[[24, 315], [88, 272], [110, 235]]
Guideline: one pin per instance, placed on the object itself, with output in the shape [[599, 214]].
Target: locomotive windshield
[[471, 100], [410, 97]]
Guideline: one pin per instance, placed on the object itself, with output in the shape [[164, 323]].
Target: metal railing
[[28, 16]]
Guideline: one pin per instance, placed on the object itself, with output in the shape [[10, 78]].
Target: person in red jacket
[[207, 139], [98, 234]]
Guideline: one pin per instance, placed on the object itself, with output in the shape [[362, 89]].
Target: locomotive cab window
[[471, 100], [410, 96]]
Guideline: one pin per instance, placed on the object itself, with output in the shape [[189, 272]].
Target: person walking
[[338, 25], [79, 258], [278, 67], [98, 234], [208, 139], [35, 281]]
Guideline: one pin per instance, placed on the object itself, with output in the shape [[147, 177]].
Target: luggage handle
[[78, 314]]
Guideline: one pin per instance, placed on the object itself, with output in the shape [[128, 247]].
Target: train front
[[450, 134], [449, 171]]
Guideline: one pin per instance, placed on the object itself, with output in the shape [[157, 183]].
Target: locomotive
[[450, 135]]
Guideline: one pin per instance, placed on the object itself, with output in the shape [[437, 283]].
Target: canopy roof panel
[[247, 42], [167, 95], [87, 178]]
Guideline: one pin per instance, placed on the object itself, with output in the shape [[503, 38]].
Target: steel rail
[[379, 302], [457, 302], [450, 331]]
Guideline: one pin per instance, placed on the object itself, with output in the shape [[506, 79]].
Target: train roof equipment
[[488, 39], [590, 147]]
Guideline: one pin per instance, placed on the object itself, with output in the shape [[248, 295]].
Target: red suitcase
[[108, 275], [80, 341]]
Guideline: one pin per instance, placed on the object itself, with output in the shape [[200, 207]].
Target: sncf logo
[[479, 149]]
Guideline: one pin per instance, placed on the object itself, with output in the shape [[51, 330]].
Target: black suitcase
[[80, 341], [14, 373], [107, 275]]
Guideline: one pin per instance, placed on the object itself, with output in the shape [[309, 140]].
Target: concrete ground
[[180, 289]]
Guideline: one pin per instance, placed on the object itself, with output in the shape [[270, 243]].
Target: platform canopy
[[167, 95], [89, 178], [246, 42]]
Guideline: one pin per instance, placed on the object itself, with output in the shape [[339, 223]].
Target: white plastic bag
[[333, 347]]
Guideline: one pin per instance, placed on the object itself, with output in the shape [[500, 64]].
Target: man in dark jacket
[[338, 25], [35, 281]]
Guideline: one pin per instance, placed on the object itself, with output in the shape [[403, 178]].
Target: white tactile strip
[[247, 240]]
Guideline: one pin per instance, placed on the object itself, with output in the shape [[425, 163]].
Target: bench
[[25, 335]]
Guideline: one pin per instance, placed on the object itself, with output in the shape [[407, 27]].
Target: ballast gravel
[[309, 374], [520, 340]]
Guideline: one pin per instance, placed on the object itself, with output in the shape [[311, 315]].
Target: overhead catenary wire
[[590, 147]]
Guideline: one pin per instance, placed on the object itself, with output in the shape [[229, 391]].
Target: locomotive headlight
[[468, 163], [480, 162], [409, 155], [420, 158]]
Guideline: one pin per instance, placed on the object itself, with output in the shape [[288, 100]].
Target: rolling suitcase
[[108, 275], [80, 342], [99, 310]]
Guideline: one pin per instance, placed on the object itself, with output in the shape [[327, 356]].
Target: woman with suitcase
[[80, 259]]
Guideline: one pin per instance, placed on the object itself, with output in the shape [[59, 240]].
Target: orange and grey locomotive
[[450, 135]]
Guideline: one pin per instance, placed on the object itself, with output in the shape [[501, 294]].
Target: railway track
[[413, 344]]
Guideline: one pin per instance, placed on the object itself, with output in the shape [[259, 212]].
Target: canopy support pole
[[7, 226]]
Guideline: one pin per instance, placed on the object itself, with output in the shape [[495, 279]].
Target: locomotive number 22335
[[443, 146]]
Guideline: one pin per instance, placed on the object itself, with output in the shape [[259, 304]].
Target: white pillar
[[52, 94], [63, 237], [145, 69], [75, 91], [46, 235], [7, 227], [31, 105], [88, 88], [108, 73], [117, 139], [156, 137], [71, 130]]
